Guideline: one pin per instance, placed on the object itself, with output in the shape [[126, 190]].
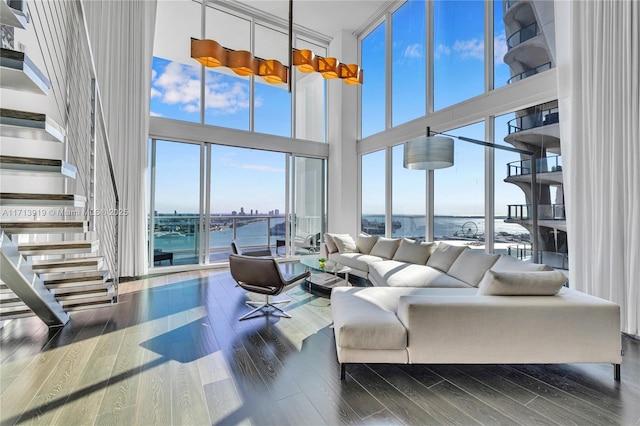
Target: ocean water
[[255, 233]]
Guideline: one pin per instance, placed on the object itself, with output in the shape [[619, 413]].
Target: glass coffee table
[[326, 277]]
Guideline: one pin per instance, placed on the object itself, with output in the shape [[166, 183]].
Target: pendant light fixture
[[211, 54]]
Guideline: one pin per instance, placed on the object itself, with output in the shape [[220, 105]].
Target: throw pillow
[[509, 263], [471, 265], [444, 255], [331, 245], [528, 283], [366, 242], [385, 247], [412, 252], [345, 243]]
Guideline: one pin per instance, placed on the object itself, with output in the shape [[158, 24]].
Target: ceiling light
[[328, 67], [272, 71], [209, 53], [242, 62], [351, 73], [305, 60]]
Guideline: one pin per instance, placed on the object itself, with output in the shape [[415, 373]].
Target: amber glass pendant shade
[[351, 73], [328, 67], [272, 71], [305, 60], [209, 53], [242, 62]]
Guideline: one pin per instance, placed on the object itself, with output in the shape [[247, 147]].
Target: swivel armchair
[[262, 275]]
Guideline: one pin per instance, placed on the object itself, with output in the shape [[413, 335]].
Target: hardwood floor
[[173, 352]]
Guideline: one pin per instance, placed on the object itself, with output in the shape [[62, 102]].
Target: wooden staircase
[[50, 261]]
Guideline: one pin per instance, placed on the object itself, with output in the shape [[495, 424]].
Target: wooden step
[[37, 166], [58, 247], [28, 199], [29, 125], [42, 227], [62, 265], [15, 312], [69, 281], [14, 13], [20, 73]]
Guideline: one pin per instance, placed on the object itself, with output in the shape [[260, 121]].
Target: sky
[[259, 176]]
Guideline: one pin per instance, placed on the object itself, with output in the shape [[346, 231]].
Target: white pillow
[[508, 263], [444, 255], [528, 283], [471, 265], [365, 243], [412, 252], [385, 247], [345, 243], [331, 245]]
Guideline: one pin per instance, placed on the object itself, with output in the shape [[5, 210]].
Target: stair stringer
[[17, 274]]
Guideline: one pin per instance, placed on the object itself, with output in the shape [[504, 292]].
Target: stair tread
[[73, 276], [43, 227], [57, 245], [43, 197], [20, 73], [42, 165], [62, 262]]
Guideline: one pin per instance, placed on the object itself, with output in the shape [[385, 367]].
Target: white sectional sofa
[[462, 306]]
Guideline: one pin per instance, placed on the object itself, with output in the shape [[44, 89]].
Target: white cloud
[[179, 84], [442, 49], [155, 114], [413, 51], [499, 48], [154, 73], [473, 48], [262, 168]]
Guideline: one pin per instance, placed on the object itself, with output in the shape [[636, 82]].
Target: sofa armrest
[[511, 329], [324, 251]]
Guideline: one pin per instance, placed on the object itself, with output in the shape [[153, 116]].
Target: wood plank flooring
[[173, 353]]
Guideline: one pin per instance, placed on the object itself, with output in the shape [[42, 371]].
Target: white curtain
[[598, 45], [121, 34]]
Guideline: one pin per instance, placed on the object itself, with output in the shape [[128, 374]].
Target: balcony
[[543, 165], [545, 212], [523, 35], [531, 121], [529, 73]]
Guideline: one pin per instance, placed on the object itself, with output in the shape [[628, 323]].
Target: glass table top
[[333, 267]]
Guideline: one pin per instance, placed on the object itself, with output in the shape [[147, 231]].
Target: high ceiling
[[327, 17]]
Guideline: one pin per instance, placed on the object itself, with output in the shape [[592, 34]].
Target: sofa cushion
[[385, 247], [471, 265], [365, 243], [509, 263], [345, 243], [535, 283], [444, 255], [331, 244], [366, 320], [411, 252], [392, 273], [355, 260]]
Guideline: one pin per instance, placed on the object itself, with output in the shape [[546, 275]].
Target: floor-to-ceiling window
[[308, 198], [408, 201], [373, 92], [459, 191], [373, 199], [458, 72], [174, 222], [408, 70]]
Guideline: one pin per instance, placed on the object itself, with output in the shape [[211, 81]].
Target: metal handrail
[[545, 212], [529, 73], [531, 121], [523, 167], [522, 35]]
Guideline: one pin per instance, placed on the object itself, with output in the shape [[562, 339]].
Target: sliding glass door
[[308, 177]]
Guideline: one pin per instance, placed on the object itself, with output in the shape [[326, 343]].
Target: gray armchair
[[263, 276], [235, 248]]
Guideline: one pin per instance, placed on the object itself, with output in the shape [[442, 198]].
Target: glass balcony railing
[[523, 35], [180, 235], [529, 73], [543, 165], [554, 259], [545, 212], [531, 121]]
